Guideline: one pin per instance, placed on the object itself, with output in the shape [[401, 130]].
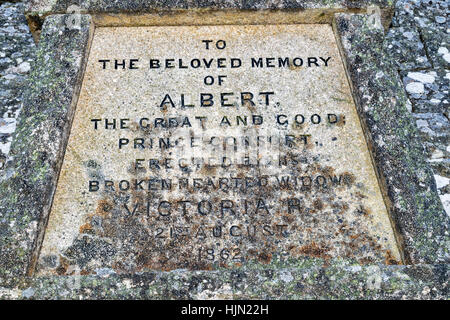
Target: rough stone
[[428, 91], [420, 13], [27, 185], [16, 53], [435, 41], [407, 48], [416, 207], [139, 6], [307, 279], [432, 105]]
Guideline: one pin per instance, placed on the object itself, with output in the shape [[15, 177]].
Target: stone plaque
[[215, 146]]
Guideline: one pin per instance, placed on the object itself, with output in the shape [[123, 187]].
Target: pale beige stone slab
[[240, 213]]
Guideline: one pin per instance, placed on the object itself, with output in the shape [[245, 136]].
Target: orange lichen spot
[[265, 257], [390, 260], [85, 228], [314, 250], [103, 208]]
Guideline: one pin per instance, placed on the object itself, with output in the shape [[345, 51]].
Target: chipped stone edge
[[405, 176], [32, 178]]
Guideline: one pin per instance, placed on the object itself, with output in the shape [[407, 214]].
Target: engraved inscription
[[215, 146]]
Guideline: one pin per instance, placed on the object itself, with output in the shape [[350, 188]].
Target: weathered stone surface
[[438, 44], [434, 130], [16, 53], [407, 49], [338, 280], [304, 279], [421, 13], [272, 187], [27, 186], [398, 154], [433, 90], [136, 6], [430, 106], [199, 12]]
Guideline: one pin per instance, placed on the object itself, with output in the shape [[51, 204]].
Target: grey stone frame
[[29, 180]]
